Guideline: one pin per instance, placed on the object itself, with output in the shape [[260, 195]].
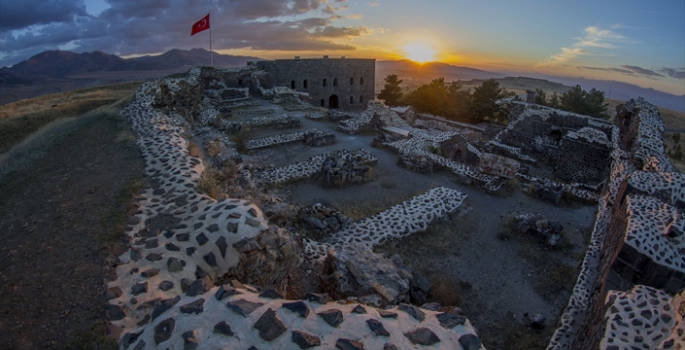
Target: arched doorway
[[333, 102]]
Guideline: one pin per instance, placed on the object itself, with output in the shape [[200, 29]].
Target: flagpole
[[211, 53]]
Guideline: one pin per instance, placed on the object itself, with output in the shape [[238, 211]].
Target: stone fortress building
[[331, 82]]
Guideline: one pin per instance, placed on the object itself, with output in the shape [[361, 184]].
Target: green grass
[[18, 120]]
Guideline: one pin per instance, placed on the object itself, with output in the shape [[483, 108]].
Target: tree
[[392, 92], [483, 100], [554, 101], [540, 97], [580, 101]]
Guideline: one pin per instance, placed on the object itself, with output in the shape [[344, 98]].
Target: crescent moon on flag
[[203, 23]]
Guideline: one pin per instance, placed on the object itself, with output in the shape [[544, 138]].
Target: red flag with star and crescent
[[200, 25]]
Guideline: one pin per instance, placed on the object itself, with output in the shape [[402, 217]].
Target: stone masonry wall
[[351, 81]]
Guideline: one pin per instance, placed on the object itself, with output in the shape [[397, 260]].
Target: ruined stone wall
[[582, 326], [583, 159], [350, 82]]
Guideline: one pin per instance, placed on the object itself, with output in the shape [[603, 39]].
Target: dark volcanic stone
[[449, 319], [190, 341], [224, 291], [271, 294], [139, 288], [149, 273], [387, 314], [185, 284], [305, 340], [389, 346], [333, 317], [135, 254], [113, 292], [377, 327], [165, 305], [414, 311], [232, 227], [242, 306], [164, 330], [213, 228], [349, 344], [319, 298], [190, 251], [269, 325], [130, 338], [359, 310], [153, 257], [151, 243], [223, 328], [221, 243], [210, 259], [201, 239], [174, 265], [200, 286], [298, 307], [195, 307], [422, 336], [166, 285], [183, 237], [114, 312], [171, 247], [469, 342], [140, 346]]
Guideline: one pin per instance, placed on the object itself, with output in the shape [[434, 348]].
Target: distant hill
[[61, 64], [625, 91], [415, 74]]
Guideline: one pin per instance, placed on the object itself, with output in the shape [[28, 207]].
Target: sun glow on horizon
[[419, 52]]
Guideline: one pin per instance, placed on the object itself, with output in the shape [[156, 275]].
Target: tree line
[[452, 101]]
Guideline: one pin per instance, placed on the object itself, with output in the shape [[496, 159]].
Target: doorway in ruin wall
[[334, 102]]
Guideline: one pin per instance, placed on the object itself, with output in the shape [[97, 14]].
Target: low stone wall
[[308, 168], [311, 137], [401, 220]]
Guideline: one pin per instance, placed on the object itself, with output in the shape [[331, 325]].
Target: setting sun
[[419, 52]]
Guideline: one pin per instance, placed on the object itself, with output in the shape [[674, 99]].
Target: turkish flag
[[200, 25]]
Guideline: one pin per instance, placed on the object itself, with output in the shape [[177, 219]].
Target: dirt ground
[[497, 278], [61, 224]]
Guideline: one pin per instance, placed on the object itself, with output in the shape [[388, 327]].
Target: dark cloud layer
[[151, 26], [677, 73], [16, 14]]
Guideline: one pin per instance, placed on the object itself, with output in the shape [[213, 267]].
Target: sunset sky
[[633, 41]]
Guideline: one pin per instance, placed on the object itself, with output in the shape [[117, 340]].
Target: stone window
[[335, 81], [304, 84], [361, 81], [323, 102], [351, 100], [325, 82], [351, 81], [292, 84], [361, 99], [240, 82]]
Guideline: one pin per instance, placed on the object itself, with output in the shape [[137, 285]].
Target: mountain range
[[51, 68], [61, 64]]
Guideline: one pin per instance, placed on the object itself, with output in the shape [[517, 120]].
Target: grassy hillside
[[20, 119]]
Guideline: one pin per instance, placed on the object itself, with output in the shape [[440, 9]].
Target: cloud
[[152, 26], [595, 38], [374, 4], [617, 70], [637, 71], [643, 71], [20, 14], [678, 73]]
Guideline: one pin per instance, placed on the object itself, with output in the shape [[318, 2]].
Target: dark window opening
[[240, 82], [323, 102], [361, 81], [556, 135], [361, 99], [351, 100], [333, 102], [304, 84], [351, 81], [324, 82], [335, 81], [292, 84]]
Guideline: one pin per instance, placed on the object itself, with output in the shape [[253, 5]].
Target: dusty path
[[61, 223]]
